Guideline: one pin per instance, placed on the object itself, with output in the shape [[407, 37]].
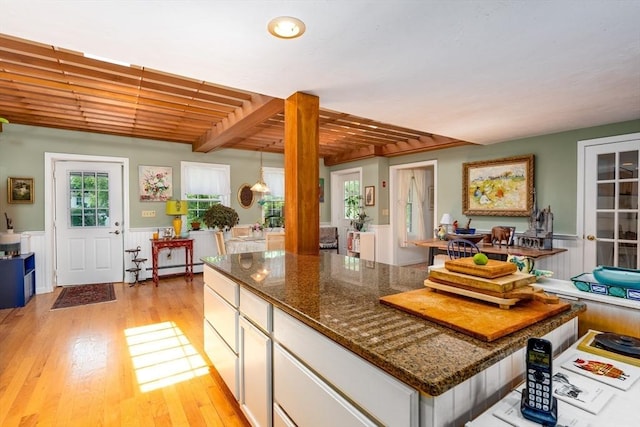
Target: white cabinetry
[[255, 359], [307, 400], [221, 297], [361, 244], [237, 340], [307, 360]]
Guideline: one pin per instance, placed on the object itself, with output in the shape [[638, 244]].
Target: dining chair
[[222, 248], [274, 241], [240, 231], [461, 248]]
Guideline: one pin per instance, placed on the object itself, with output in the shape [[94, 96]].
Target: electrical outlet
[[148, 214], [385, 212]]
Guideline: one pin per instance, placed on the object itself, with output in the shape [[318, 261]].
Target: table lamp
[[447, 220], [176, 208]]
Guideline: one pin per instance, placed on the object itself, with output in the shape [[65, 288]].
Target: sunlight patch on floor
[[162, 355]]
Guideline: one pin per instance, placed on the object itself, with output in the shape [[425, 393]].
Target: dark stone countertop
[[339, 297]]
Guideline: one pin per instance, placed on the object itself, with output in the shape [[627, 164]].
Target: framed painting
[[20, 190], [370, 196], [321, 190], [155, 183], [501, 187]]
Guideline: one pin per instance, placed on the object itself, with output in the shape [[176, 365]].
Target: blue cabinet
[[17, 280]]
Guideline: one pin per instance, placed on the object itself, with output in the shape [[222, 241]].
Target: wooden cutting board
[[493, 268], [475, 318], [499, 284]]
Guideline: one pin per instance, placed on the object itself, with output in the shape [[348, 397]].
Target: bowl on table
[[475, 238]]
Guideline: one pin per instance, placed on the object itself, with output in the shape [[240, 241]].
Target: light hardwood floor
[[73, 367]]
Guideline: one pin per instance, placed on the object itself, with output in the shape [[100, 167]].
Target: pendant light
[[260, 186]]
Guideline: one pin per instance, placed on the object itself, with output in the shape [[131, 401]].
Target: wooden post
[[301, 156]]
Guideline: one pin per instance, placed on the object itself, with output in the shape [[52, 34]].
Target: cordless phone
[[538, 403]]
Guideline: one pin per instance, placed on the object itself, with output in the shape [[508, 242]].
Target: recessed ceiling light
[[286, 27]]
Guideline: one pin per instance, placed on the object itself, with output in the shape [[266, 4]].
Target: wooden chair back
[[461, 248], [222, 248], [240, 231], [274, 241]]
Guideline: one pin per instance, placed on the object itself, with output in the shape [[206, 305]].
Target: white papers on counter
[[616, 374]]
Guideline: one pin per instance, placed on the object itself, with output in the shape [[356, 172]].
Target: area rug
[[72, 296]]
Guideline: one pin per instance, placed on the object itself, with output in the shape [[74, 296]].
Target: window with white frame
[[273, 202], [204, 184]]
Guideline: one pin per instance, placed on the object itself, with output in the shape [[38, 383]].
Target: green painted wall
[[22, 150]]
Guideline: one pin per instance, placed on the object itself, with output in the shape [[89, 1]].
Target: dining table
[[241, 244], [500, 252]]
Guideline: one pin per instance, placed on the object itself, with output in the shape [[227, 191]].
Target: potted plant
[[195, 224], [359, 223], [221, 217]]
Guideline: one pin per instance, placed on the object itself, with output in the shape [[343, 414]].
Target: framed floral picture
[[501, 187], [155, 183]]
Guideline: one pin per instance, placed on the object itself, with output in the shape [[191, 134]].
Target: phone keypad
[[539, 389]]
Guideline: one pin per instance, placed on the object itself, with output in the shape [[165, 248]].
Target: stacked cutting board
[[498, 282], [474, 299]]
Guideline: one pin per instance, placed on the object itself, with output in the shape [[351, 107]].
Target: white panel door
[[88, 223], [611, 208]]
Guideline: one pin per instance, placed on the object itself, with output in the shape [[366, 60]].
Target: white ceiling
[[482, 71]]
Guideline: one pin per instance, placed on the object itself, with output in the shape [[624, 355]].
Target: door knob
[[591, 237], [115, 232]]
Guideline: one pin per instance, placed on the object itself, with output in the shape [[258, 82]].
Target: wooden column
[[301, 171]]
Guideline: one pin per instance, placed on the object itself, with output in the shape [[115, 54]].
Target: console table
[[158, 244], [493, 251]]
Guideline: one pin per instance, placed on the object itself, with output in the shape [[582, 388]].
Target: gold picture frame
[[20, 190], [501, 187], [245, 196], [370, 196]]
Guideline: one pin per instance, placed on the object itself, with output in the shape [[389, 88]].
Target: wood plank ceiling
[[43, 85]]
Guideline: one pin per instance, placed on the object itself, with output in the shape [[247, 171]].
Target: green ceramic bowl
[[618, 276]]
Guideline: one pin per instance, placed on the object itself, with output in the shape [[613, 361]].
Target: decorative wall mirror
[[245, 196]]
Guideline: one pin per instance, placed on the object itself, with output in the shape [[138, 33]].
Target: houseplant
[[221, 217], [195, 224]]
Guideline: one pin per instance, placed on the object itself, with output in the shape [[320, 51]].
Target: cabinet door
[[255, 374]]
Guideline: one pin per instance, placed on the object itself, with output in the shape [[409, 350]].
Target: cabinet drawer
[[256, 309], [393, 403], [225, 287], [223, 358], [222, 316], [307, 399]]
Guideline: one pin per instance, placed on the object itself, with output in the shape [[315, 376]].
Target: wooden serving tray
[[499, 284], [492, 269], [475, 318]]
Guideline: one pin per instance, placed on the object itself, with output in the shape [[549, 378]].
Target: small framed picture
[[370, 196], [20, 190]]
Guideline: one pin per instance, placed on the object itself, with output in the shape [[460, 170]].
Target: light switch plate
[[148, 214]]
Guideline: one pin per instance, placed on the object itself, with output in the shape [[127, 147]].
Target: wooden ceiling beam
[[350, 156], [242, 120]]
